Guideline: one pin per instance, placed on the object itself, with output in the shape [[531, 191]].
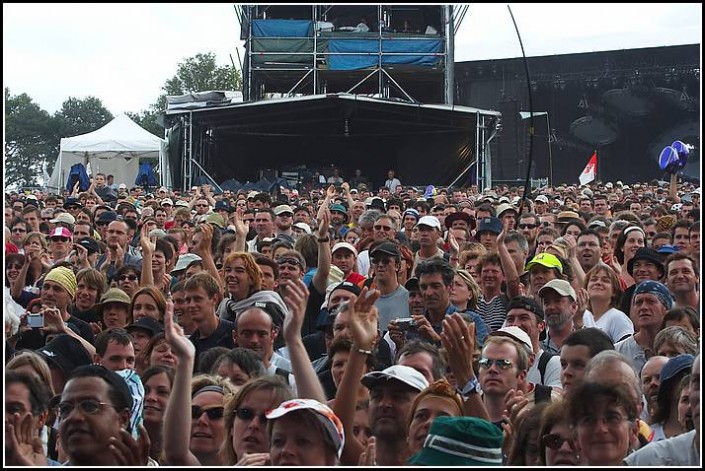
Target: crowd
[[346, 326]]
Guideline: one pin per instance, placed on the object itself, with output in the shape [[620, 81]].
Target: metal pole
[[449, 59], [550, 157]]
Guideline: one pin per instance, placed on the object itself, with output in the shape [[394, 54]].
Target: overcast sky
[[122, 54]]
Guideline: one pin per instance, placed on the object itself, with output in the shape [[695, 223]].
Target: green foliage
[[201, 73], [81, 116], [29, 140]]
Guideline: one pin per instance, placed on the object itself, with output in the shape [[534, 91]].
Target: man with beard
[[682, 279], [392, 392], [284, 218], [560, 306], [394, 298], [529, 226]]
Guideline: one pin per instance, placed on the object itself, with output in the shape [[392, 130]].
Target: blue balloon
[[683, 152], [668, 160]]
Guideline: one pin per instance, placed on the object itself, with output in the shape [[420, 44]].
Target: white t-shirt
[[614, 323], [552, 375]]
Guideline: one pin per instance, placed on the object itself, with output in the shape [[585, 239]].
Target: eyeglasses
[[87, 406], [527, 226], [289, 261], [379, 227], [554, 441], [247, 415], [610, 418], [201, 205], [502, 364], [128, 277], [213, 413], [18, 229]]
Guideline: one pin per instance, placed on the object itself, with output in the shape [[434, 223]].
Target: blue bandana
[[657, 289]]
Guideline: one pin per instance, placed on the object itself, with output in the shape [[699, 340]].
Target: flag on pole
[[590, 170]]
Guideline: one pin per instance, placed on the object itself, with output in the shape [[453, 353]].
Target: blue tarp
[[354, 62], [282, 28]]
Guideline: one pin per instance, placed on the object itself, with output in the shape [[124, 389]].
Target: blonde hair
[[472, 286], [34, 361]]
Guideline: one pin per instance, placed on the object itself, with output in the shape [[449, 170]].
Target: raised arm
[[204, 249], [147, 276], [307, 384], [241, 229], [320, 279], [363, 329], [510, 270], [177, 417]]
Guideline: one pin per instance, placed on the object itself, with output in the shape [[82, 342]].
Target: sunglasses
[[289, 261], [213, 413], [128, 277], [19, 229], [379, 227], [201, 205], [554, 441], [381, 260], [502, 364], [247, 415], [527, 226]]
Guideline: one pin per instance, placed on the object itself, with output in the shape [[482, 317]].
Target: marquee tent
[[115, 149]]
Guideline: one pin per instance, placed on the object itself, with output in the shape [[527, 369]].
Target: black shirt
[[221, 337]]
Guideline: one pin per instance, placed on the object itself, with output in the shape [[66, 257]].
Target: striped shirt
[[494, 312]]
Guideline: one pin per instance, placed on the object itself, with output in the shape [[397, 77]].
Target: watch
[[471, 387]]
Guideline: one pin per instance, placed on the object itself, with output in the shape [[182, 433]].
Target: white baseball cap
[[515, 333], [344, 245], [405, 374], [430, 221]]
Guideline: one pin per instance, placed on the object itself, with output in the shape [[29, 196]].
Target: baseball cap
[[565, 216], [546, 259], [215, 219], [348, 286], [181, 203], [72, 201], [542, 199], [122, 186], [670, 371], [404, 374], [505, 207], [515, 333], [66, 353], [344, 245], [283, 209], [64, 218], [412, 284], [168, 201], [411, 212], [184, 260], [490, 224], [322, 412], [561, 287], [460, 441], [304, 227], [115, 295], [376, 202], [60, 232], [90, 245], [107, 217], [430, 221], [388, 248], [149, 324], [666, 249], [525, 302], [646, 254]]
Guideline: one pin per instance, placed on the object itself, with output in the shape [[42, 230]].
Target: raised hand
[[295, 297], [364, 318], [368, 457], [180, 345], [148, 246], [346, 187], [53, 323], [453, 243], [242, 227], [128, 451], [515, 403], [255, 459], [458, 338], [424, 327], [205, 245], [331, 192], [572, 245], [502, 235], [323, 222], [23, 447]]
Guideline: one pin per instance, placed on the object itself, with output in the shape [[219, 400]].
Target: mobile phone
[[35, 321], [406, 323]]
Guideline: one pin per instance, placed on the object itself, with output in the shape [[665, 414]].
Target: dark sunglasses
[[527, 226], [213, 413], [502, 364], [381, 260], [18, 229], [247, 415], [554, 441], [128, 277], [289, 261], [379, 227]]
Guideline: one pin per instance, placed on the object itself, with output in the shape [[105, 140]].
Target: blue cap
[[222, 204], [670, 372], [667, 249], [490, 224]]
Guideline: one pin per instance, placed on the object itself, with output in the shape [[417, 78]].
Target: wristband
[[324, 239], [364, 352]]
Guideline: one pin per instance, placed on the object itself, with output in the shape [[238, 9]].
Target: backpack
[[543, 362]]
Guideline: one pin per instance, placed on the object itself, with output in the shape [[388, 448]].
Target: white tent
[[115, 149]]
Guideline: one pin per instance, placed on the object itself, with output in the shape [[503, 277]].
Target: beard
[[559, 320]]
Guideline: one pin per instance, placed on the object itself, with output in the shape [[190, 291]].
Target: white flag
[[590, 170]]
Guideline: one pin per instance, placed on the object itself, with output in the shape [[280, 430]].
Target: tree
[[30, 140], [81, 116]]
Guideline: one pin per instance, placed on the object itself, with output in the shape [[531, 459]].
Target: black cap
[[388, 248], [647, 254], [107, 216], [224, 205], [146, 323], [72, 201], [525, 302], [348, 286], [412, 284], [66, 353], [90, 245]]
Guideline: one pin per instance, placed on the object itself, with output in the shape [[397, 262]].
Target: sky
[[123, 53]]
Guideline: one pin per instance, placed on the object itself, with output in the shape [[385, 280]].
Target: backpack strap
[[543, 362]]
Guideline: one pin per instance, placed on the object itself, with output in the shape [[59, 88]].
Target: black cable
[[531, 117]]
